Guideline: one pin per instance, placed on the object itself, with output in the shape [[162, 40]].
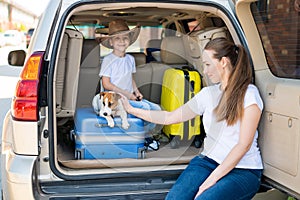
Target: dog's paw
[[111, 124], [125, 125]]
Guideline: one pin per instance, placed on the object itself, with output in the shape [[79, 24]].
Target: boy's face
[[120, 42]]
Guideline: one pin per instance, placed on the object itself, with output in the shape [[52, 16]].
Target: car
[[2, 41], [28, 36], [13, 37], [40, 154]]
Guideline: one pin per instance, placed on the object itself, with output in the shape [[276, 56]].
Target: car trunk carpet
[[164, 156]]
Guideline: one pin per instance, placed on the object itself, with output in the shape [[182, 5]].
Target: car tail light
[[25, 101]]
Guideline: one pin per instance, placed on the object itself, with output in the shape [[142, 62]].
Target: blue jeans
[[237, 184], [146, 105]]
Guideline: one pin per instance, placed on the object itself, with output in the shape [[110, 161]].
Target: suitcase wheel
[[198, 143], [78, 154], [72, 135], [175, 141], [199, 139], [143, 154]]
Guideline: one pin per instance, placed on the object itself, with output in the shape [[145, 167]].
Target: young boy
[[117, 67]]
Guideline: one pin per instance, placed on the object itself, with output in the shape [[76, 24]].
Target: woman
[[230, 165]]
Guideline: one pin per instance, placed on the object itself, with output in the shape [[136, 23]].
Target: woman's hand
[[125, 103], [205, 185]]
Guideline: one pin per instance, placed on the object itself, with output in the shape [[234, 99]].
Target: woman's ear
[[225, 61]]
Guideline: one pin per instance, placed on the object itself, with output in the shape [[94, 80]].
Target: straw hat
[[118, 27]]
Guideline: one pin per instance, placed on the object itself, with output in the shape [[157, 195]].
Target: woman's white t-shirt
[[221, 138], [119, 69]]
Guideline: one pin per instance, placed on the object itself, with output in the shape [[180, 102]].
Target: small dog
[[108, 105]]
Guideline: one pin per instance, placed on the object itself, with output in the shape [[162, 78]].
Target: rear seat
[[89, 73], [67, 73], [172, 51], [149, 76], [139, 57], [195, 43], [153, 50]]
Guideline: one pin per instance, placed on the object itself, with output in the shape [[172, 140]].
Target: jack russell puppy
[[107, 105]]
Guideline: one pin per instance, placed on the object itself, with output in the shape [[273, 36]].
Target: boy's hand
[[138, 95], [132, 97]]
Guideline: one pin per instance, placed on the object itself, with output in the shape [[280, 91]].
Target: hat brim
[[133, 34]]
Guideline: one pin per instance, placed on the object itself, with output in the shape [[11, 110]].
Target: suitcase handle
[[99, 125], [189, 68]]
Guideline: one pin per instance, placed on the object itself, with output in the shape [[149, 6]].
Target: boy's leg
[[150, 128], [146, 105], [187, 185], [139, 104], [143, 105], [153, 106], [154, 129]]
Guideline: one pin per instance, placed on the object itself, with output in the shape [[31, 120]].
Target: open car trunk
[[165, 42]]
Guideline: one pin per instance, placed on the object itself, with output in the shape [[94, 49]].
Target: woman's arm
[[248, 128], [181, 114], [110, 86]]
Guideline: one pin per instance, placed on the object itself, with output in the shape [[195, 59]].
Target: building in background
[[14, 16]]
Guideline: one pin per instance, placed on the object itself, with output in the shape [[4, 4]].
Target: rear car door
[[272, 30]]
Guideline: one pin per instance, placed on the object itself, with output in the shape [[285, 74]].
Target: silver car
[[42, 155]]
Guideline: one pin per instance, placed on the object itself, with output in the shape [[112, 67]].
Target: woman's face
[[212, 66]]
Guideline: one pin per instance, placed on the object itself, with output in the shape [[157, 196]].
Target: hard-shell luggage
[[94, 139], [179, 86]]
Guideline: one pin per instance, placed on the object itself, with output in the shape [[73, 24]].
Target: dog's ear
[[117, 96], [102, 94]]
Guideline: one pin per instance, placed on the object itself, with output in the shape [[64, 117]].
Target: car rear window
[[146, 33], [279, 26]]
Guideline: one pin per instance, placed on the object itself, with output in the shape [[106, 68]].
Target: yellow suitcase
[[179, 86]]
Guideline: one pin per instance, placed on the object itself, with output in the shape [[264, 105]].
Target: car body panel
[[25, 137], [44, 28], [279, 127], [16, 170], [22, 144]]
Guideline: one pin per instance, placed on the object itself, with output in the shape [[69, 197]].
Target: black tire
[[175, 142], [198, 141]]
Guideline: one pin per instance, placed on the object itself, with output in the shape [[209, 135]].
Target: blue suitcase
[[94, 139]]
